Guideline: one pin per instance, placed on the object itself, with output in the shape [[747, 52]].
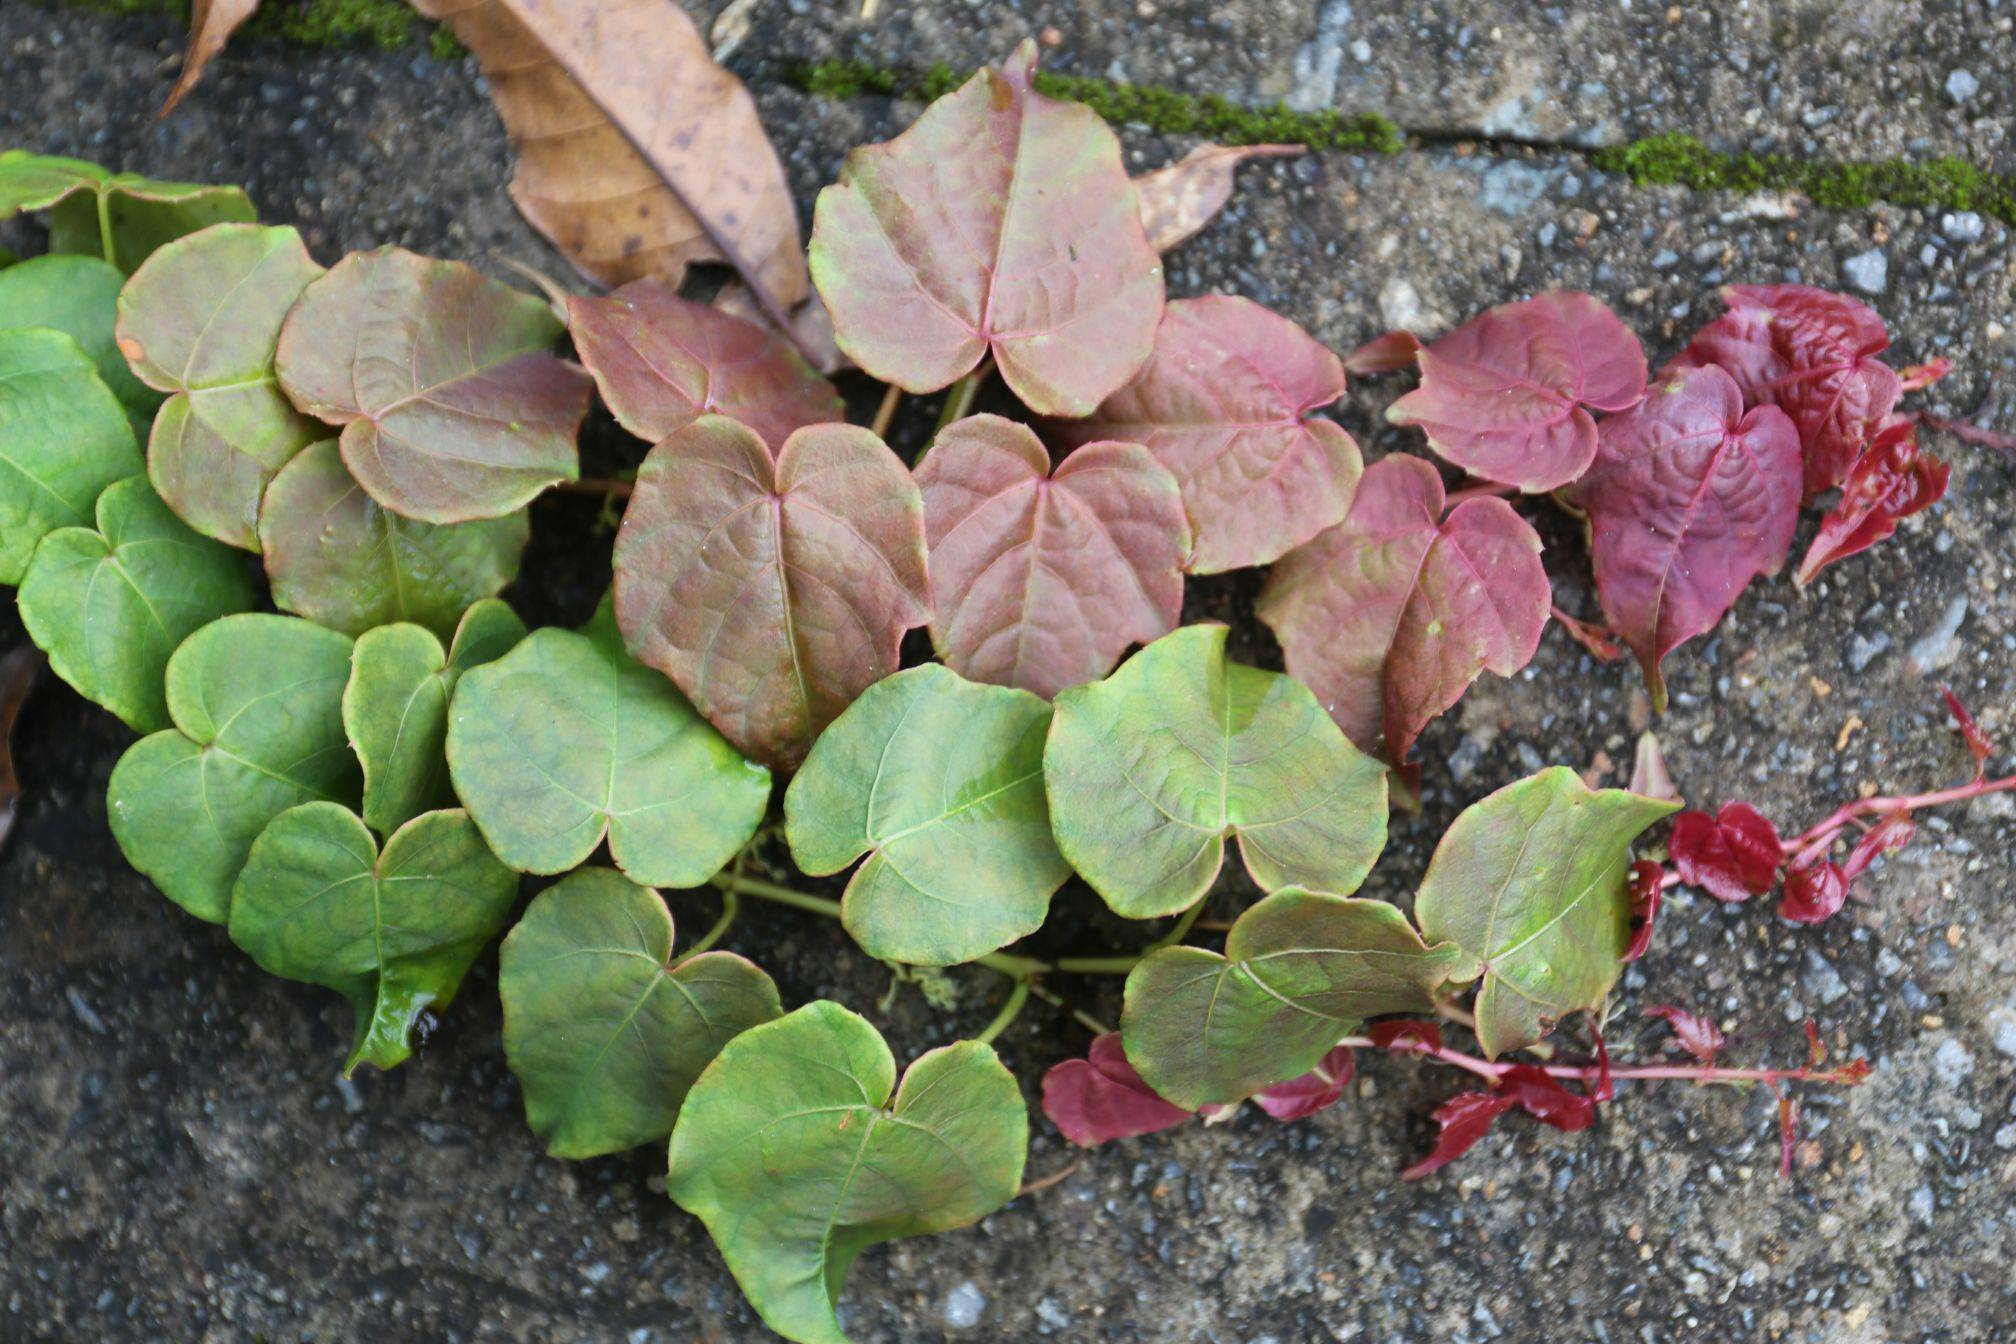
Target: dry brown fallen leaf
[[1181, 199], [17, 674], [211, 23], [638, 154]]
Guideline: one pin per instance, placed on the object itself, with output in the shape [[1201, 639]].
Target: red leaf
[[1226, 401], [211, 23], [1648, 882], [1313, 1091], [1732, 856], [1406, 1037], [1917, 377], [1812, 353], [1101, 1097], [1042, 579], [1507, 395], [1541, 1096], [1594, 639], [1698, 1036], [1887, 836], [662, 362], [1977, 741], [1892, 480], [1605, 1089], [1689, 499], [1383, 354], [1814, 893], [1389, 616], [1465, 1118]]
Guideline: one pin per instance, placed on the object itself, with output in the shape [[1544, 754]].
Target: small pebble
[[1961, 85], [1868, 271], [964, 1306]]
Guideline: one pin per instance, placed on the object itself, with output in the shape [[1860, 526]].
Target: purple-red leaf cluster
[[1100, 1098], [1466, 1117], [1890, 481], [1507, 396], [1732, 855], [1689, 499]]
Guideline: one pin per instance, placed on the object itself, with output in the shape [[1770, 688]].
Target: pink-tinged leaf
[[1464, 1119], [1698, 1036], [1541, 1096], [1001, 220], [1406, 1037], [1178, 201], [1594, 639], [1389, 616], [1732, 855], [1384, 354], [1977, 741], [773, 590], [1690, 498], [1887, 836], [662, 362], [1316, 1090], [1101, 1098], [451, 406], [1890, 481], [1507, 395], [1812, 353], [1648, 884], [1226, 402], [1918, 377], [1814, 893], [1042, 579], [1605, 1087], [211, 23], [1649, 775]]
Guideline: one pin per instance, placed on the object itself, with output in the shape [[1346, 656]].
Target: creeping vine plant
[[352, 789]]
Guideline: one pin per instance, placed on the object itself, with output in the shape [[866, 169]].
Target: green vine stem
[[959, 401], [1019, 968], [1012, 1009], [731, 906], [105, 227]]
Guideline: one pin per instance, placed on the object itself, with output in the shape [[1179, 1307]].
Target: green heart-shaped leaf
[[1300, 970], [121, 217], [789, 1149], [200, 320], [604, 1031], [451, 406], [109, 605], [567, 738], [395, 708], [78, 296], [63, 438], [1151, 769], [1531, 883], [940, 781], [392, 932], [257, 705], [338, 558]]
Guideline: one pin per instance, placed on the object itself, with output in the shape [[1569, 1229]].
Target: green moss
[[1934, 184], [1158, 109], [311, 23]]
